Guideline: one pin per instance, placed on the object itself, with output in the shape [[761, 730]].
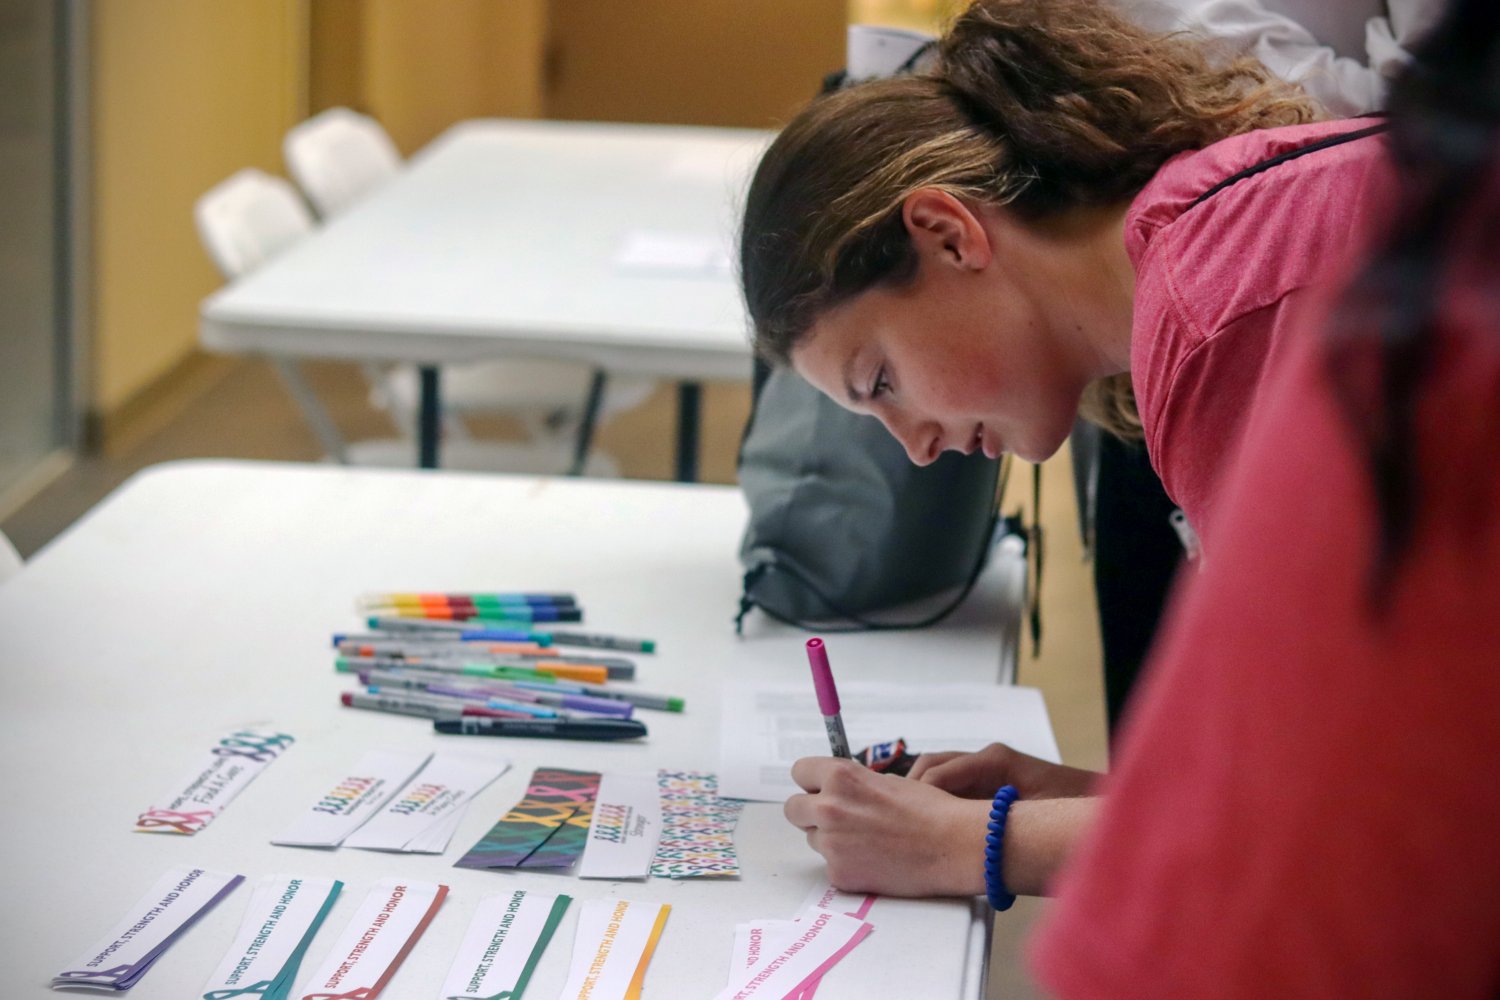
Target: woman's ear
[[946, 229]]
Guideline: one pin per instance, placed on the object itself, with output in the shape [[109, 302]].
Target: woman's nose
[[922, 441]]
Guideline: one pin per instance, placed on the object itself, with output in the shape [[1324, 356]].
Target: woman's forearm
[[1039, 836]]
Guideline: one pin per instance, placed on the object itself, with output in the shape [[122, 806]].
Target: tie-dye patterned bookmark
[[697, 828], [546, 829]]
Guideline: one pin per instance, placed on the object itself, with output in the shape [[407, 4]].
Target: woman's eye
[[882, 384]]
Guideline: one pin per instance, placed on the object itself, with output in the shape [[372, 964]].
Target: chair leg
[[585, 439], [312, 408]]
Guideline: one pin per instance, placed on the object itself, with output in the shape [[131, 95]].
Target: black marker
[[545, 729]]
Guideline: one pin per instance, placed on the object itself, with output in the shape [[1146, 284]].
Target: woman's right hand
[[980, 774]]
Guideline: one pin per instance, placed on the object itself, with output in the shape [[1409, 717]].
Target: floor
[[237, 408]]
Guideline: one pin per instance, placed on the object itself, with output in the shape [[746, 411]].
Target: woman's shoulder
[[1176, 189]]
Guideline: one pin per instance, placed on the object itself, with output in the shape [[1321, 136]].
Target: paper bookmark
[[546, 829], [149, 928], [697, 835], [351, 800], [284, 915], [377, 940], [433, 798], [231, 765], [627, 822], [816, 945], [504, 943], [753, 940], [612, 948], [825, 898]]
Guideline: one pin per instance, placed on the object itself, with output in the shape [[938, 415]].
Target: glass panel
[[30, 338]]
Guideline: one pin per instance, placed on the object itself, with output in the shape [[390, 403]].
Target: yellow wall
[[707, 62], [184, 93], [427, 65], [924, 15]]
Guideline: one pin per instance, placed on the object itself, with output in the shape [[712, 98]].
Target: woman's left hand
[[889, 835]]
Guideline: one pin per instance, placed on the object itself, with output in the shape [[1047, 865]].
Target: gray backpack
[[843, 526]]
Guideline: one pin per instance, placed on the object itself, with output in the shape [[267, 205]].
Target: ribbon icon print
[[259, 747], [546, 829], [168, 821]]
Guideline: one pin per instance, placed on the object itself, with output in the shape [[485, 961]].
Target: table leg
[[429, 418], [689, 403]]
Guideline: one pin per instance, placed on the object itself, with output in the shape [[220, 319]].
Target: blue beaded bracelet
[[994, 849]]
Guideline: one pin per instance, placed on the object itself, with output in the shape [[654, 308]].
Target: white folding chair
[[243, 222], [337, 157], [10, 559]]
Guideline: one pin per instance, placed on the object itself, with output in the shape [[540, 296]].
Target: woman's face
[[963, 358]]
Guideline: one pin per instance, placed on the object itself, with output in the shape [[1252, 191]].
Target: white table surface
[[500, 239], [201, 597]]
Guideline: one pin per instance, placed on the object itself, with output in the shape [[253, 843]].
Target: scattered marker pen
[[828, 698], [598, 640], [546, 729], [391, 624], [640, 699], [406, 704]]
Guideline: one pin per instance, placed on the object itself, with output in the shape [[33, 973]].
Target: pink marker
[[828, 698]]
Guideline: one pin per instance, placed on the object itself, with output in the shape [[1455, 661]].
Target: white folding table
[[201, 597], [504, 239]]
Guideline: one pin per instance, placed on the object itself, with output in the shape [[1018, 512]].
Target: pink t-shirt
[[1219, 288], [1307, 795]]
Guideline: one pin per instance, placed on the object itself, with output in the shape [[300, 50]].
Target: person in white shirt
[[1342, 52]]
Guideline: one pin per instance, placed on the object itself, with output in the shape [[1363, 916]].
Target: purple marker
[[828, 698]]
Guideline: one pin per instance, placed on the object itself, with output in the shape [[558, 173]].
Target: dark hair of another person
[[1041, 106], [1445, 124]]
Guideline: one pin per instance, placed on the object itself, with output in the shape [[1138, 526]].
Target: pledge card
[[791, 960], [612, 948], [546, 829], [697, 835], [156, 920], [503, 945], [353, 799], [434, 798], [231, 764], [623, 832], [377, 940], [825, 898], [284, 915]]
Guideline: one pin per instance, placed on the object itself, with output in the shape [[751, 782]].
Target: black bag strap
[[1280, 158]]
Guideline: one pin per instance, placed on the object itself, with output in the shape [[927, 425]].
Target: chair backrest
[[339, 156], [249, 218], [10, 559]]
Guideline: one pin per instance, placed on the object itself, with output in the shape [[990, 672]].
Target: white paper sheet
[[612, 947], [353, 799], [429, 806], [156, 920], [767, 726], [225, 770], [282, 910], [625, 826], [505, 939], [816, 945], [379, 935]]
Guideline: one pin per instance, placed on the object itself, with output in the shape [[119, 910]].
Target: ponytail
[[1041, 106]]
